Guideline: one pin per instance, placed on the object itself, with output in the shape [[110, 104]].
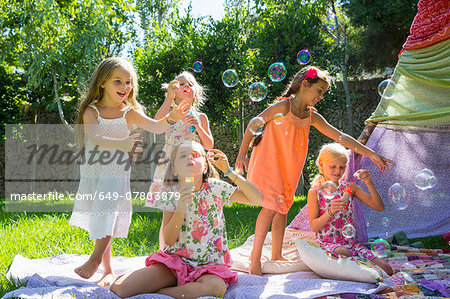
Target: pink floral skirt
[[186, 273]]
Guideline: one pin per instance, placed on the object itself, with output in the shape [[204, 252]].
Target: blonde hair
[[298, 78], [171, 179], [199, 94], [327, 154], [94, 91]]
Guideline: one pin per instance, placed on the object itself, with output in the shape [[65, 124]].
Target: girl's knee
[[116, 289], [213, 285], [384, 265]]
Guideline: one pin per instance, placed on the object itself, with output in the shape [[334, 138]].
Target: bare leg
[[342, 251], [88, 269], [278, 228], [206, 285], [383, 265], [108, 273], [263, 222], [146, 280]]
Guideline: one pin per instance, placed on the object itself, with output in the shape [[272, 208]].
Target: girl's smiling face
[[190, 161], [118, 86], [334, 170], [313, 93]]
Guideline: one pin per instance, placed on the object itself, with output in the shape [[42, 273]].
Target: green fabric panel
[[421, 96]]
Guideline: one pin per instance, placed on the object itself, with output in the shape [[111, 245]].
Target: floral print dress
[[331, 235], [203, 238]]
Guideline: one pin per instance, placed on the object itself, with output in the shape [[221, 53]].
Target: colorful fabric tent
[[411, 126]]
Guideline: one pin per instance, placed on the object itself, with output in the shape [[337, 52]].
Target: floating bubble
[[386, 89], [303, 57], [398, 196], [277, 72], [385, 221], [380, 248], [198, 66], [348, 231], [257, 91], [280, 198], [329, 190], [256, 125], [278, 118], [230, 78], [367, 224], [425, 179], [331, 22]]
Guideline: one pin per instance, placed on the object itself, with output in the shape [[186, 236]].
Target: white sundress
[[102, 205]]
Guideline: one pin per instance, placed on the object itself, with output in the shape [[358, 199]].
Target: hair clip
[[311, 73]]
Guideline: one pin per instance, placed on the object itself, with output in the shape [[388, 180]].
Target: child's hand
[[338, 204], [364, 176], [241, 162], [179, 111], [131, 144], [219, 160], [186, 196], [172, 90], [382, 162]]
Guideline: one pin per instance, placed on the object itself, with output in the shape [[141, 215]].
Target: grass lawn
[[38, 235]]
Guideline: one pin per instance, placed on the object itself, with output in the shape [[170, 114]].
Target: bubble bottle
[[191, 128], [347, 194]]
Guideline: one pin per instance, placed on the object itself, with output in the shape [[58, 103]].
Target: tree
[[58, 43], [382, 28]]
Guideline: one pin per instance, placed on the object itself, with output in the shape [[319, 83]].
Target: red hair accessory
[[311, 73]]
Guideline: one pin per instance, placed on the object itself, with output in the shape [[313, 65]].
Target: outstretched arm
[[348, 141], [247, 192]]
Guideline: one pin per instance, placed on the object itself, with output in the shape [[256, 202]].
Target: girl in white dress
[[103, 205]]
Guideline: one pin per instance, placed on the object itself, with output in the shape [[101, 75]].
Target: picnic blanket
[[53, 277], [420, 273]]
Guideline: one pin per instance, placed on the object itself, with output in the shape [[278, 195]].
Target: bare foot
[[87, 269], [106, 280], [280, 258], [255, 267]]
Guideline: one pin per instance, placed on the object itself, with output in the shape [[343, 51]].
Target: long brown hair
[[94, 91]]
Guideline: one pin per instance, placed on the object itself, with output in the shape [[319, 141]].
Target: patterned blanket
[[419, 273]]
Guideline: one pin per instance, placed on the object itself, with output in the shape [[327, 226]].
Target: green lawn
[[38, 235]]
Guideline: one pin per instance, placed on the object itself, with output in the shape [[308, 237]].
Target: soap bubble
[[380, 248], [198, 66], [331, 22], [348, 231], [398, 196], [386, 89], [385, 221], [257, 92], [329, 190], [277, 72], [230, 78], [256, 125], [425, 179], [303, 57], [278, 118]]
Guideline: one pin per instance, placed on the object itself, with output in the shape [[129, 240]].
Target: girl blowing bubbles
[[277, 161], [196, 260], [105, 115], [327, 217]]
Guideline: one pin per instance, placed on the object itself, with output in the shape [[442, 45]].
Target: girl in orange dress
[[277, 160]]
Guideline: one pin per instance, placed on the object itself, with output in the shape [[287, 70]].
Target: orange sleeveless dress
[[277, 161]]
